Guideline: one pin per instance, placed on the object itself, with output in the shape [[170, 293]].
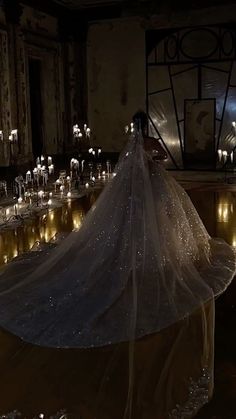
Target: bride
[[128, 299]]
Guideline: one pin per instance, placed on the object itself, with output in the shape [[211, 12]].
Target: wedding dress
[[136, 284]]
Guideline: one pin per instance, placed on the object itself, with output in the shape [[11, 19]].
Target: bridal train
[[119, 317]]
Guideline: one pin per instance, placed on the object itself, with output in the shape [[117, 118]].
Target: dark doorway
[[36, 106]]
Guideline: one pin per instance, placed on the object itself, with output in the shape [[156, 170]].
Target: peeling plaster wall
[[116, 67], [35, 36], [116, 79], [41, 43], [2, 17], [38, 22], [5, 106]]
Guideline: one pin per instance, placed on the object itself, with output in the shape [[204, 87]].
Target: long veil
[[141, 261]]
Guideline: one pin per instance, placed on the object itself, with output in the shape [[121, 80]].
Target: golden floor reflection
[[216, 209], [14, 242]]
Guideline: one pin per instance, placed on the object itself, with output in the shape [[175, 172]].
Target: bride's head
[[141, 121]]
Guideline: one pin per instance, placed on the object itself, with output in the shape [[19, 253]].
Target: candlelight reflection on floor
[[14, 242], [216, 208]]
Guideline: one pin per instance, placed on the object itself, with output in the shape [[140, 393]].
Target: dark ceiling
[[103, 9], [81, 4], [147, 6]]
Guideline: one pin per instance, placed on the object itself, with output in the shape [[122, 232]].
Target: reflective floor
[[217, 208], [14, 242]]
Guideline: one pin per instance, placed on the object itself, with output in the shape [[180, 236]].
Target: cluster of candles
[[75, 166], [223, 156], [39, 176], [13, 137], [129, 128], [63, 183], [28, 195], [78, 133], [40, 172], [93, 151]]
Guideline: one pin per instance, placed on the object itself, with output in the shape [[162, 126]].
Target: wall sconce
[[1, 136]]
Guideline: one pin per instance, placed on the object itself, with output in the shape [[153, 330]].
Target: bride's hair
[[141, 120]]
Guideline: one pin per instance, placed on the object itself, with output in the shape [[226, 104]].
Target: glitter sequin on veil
[[141, 261]]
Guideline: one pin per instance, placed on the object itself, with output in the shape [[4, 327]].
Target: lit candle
[[57, 183], [40, 194], [225, 155], [219, 155], [69, 182], [28, 177], [14, 135], [76, 131], [51, 169], [86, 185], [88, 132], [62, 187], [45, 178]]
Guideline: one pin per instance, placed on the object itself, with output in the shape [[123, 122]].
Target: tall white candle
[[220, 155], [28, 177], [225, 155]]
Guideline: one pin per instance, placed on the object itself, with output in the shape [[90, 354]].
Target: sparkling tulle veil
[[141, 262]]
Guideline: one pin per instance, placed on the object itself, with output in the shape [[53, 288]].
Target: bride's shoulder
[[153, 146]]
